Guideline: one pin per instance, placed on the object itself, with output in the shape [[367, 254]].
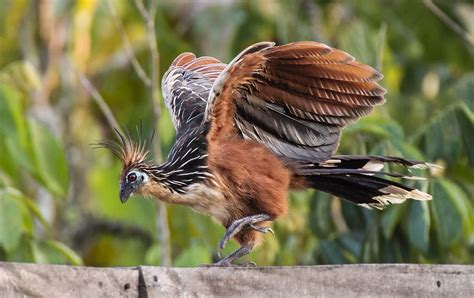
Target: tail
[[352, 177]]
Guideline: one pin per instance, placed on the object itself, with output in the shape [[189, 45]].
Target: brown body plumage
[[250, 131]]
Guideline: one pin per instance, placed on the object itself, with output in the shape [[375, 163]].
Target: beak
[[125, 192]]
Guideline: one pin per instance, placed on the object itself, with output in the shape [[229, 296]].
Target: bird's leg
[[245, 249], [238, 225]]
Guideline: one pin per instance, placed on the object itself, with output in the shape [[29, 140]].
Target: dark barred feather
[[356, 178], [185, 165], [187, 161], [186, 86], [366, 191]]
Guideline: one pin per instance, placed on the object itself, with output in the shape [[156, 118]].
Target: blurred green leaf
[[49, 159], [21, 74], [354, 215], [370, 244], [364, 43], [380, 45], [465, 118], [66, 252], [331, 253], [11, 113], [13, 132], [464, 89], [460, 200], [419, 225], [42, 254], [320, 221], [53, 252], [447, 213], [352, 243], [152, 256], [193, 256], [31, 205], [370, 125], [20, 156], [441, 135], [10, 221], [28, 204], [23, 253], [390, 219]]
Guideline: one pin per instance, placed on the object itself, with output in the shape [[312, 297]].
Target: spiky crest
[[131, 153]]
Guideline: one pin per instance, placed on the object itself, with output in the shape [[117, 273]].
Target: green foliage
[[27, 147], [59, 198], [11, 223]]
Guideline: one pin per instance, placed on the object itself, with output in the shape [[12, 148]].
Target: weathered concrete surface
[[330, 281], [31, 280], [18, 280]]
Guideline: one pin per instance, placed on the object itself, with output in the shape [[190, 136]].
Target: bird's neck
[[186, 164], [157, 190]]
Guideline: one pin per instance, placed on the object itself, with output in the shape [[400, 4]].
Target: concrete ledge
[[342, 280], [32, 280]]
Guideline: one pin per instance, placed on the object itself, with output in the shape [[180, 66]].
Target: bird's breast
[[207, 200]]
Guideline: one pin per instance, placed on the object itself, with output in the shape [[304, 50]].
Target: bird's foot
[[228, 261], [239, 224], [229, 264]]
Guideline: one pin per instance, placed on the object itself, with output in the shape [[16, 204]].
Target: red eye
[[132, 177]]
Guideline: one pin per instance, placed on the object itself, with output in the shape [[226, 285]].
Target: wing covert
[[186, 86], [294, 98]]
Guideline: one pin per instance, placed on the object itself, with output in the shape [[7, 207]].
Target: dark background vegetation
[[70, 69]]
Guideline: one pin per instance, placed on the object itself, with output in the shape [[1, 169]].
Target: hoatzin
[[250, 131]]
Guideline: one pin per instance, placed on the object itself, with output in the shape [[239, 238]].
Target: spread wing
[[186, 87], [294, 98]]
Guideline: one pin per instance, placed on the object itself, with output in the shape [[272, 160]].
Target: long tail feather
[[353, 178]]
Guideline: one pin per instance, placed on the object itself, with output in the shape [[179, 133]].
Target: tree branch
[[128, 48], [141, 8], [468, 39], [155, 69], [100, 102], [162, 216]]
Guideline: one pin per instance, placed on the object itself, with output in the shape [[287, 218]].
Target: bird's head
[[132, 181], [135, 175]]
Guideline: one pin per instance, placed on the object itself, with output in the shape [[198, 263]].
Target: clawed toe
[[238, 225], [216, 264], [263, 230], [221, 246], [228, 264], [248, 264]]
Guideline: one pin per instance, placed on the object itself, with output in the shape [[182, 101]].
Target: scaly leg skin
[[242, 251], [237, 226]]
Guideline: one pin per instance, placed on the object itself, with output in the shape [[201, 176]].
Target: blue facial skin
[[130, 185]]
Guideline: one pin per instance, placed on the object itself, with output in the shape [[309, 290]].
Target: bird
[[250, 131]]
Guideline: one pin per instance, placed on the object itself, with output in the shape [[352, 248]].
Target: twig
[[468, 39], [155, 69], [162, 217], [99, 101], [141, 9], [128, 48]]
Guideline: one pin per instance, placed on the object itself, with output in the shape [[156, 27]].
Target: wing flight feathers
[[294, 98]]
